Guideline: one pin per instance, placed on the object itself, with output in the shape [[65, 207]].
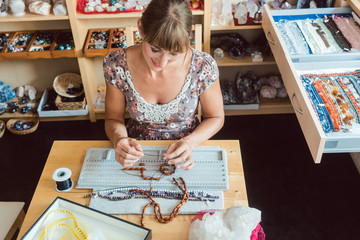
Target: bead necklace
[[337, 34], [149, 194], [119, 194], [184, 196]]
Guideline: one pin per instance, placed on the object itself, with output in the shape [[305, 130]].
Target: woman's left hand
[[180, 151]]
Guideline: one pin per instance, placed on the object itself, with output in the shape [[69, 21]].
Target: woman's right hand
[[127, 151]]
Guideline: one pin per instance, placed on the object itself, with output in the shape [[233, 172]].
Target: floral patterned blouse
[[170, 121]]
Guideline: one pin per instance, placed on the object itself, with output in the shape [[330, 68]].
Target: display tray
[[91, 222], [58, 113], [101, 48], [118, 39], [18, 55], [313, 14], [64, 37], [34, 49], [3, 45], [292, 66]]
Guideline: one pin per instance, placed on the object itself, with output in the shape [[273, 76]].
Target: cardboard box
[[90, 221]]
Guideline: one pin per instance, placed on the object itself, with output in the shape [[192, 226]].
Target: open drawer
[[291, 66]]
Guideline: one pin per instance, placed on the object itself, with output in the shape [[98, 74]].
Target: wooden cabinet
[[229, 67], [41, 72]]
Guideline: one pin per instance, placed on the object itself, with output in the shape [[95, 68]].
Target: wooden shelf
[[267, 106], [355, 5], [32, 17], [233, 27], [120, 15], [227, 61]]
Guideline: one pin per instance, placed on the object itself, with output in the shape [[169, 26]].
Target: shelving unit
[[41, 72], [230, 67]]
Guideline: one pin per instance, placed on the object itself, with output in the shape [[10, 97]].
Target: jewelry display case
[[66, 219], [293, 66], [229, 68]]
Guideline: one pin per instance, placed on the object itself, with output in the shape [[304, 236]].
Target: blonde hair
[[167, 24]]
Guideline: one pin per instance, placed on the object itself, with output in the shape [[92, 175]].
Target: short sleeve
[[114, 69], [208, 72]]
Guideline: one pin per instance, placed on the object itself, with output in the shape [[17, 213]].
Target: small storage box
[[20, 40], [63, 38], [58, 113], [118, 39], [5, 38], [91, 222], [93, 47], [39, 49]]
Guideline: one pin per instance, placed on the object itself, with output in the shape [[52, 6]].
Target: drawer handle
[[299, 110], [268, 36]]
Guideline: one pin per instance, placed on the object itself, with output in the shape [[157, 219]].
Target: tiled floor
[[298, 199]]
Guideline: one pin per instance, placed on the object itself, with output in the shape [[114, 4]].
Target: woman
[[161, 82]]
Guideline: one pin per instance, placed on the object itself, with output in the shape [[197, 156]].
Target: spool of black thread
[[62, 179]]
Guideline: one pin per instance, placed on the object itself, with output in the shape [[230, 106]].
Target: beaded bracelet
[[294, 39], [337, 34], [119, 194], [354, 106], [348, 83], [318, 105], [329, 105], [160, 218], [339, 102]]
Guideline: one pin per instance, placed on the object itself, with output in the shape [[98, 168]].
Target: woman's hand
[[127, 151], [180, 151]]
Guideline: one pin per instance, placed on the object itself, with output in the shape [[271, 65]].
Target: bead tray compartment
[[19, 55], [45, 53], [100, 170], [3, 45], [136, 36], [91, 220], [71, 53], [93, 52], [313, 14], [122, 30]]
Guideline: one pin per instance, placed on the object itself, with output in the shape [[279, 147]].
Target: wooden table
[[71, 154]]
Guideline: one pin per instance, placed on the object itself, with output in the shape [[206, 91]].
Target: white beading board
[[100, 170], [135, 206]]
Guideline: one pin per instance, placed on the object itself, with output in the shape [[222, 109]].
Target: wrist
[[118, 139], [189, 142]]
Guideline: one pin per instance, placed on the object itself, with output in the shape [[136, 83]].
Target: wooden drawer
[[290, 66]]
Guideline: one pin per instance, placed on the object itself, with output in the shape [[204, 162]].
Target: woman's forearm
[[115, 130], [207, 128]]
